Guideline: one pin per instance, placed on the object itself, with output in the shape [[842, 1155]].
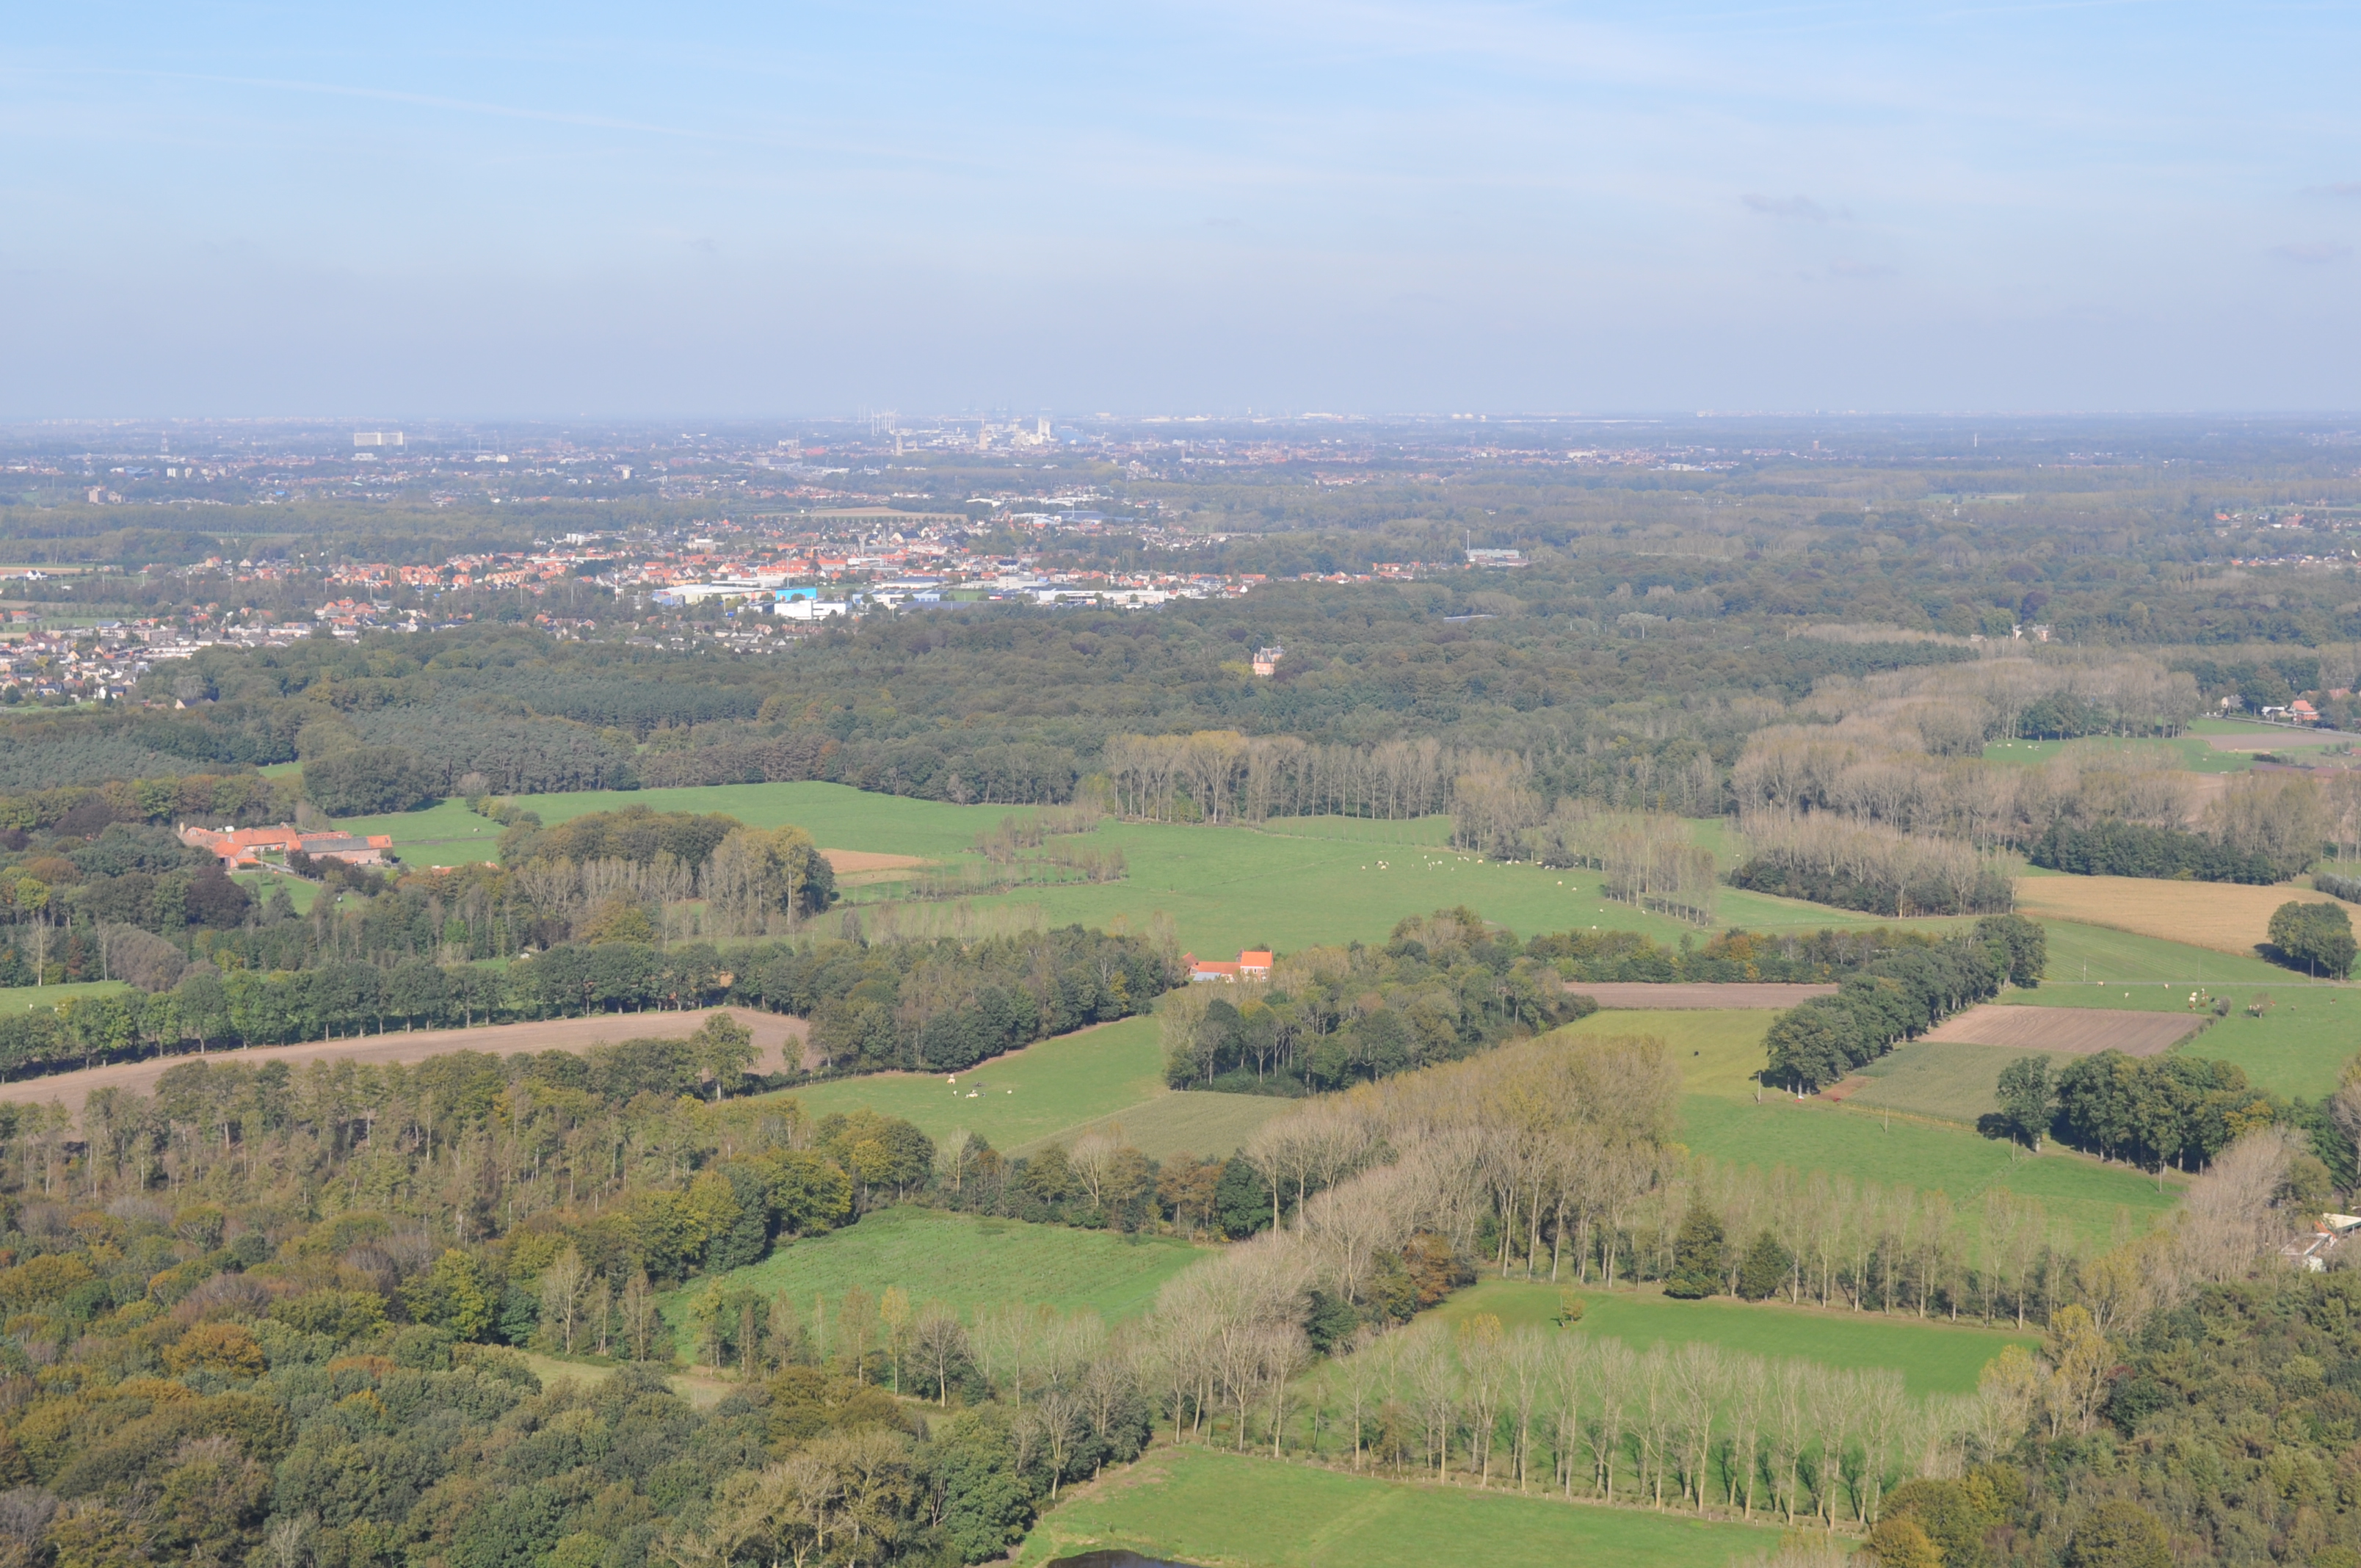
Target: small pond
[[1116, 1558]]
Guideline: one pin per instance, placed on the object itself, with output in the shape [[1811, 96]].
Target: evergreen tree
[[1699, 1255], [1766, 1268]]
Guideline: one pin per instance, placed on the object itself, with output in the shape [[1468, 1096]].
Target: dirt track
[[2072, 1031], [772, 1032], [1642, 994]]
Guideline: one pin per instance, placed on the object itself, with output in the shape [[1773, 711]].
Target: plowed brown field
[[2070, 1031]]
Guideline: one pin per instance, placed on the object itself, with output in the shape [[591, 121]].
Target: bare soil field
[[2229, 917], [846, 861], [773, 1036], [2068, 1031], [865, 868], [1646, 994]]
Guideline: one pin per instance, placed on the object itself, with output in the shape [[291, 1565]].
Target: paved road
[[772, 1032]]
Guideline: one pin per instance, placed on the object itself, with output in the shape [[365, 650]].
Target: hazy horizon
[[1364, 209]]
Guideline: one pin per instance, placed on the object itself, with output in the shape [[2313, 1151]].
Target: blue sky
[[656, 210]]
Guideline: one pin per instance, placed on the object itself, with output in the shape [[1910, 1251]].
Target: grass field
[[444, 834], [261, 884], [2228, 917], [2080, 954], [1206, 1125], [1807, 1135], [2298, 1048], [961, 1260], [1058, 1090], [1931, 1078], [835, 815], [1933, 1356], [41, 998], [2183, 751], [1717, 1051], [1294, 883], [1226, 1510], [2247, 735], [1022, 1098]]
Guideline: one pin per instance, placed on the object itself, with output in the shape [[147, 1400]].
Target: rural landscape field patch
[[2068, 1031], [1717, 1051], [1648, 996], [1933, 1356], [2229, 917], [1955, 1082], [1233, 1510], [1809, 1136], [1022, 1098], [961, 1260]]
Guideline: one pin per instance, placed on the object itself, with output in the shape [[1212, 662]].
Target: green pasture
[[2182, 752], [260, 885], [1208, 1126], [2269, 737], [1018, 1098], [42, 998], [959, 1259], [1227, 888], [2083, 955], [1945, 1079], [1094, 1080], [2297, 1047], [1812, 1134], [1933, 1356], [837, 816], [444, 834], [1717, 1049], [1293, 882], [1205, 1506]]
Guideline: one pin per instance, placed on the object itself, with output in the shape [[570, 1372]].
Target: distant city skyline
[[1362, 208]]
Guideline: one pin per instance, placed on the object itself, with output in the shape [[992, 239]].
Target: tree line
[[1899, 996]]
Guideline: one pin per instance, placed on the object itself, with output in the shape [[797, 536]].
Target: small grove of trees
[[2130, 848], [2314, 938], [1648, 858], [1448, 984], [2179, 1110], [1445, 985], [368, 781], [1899, 996], [603, 865], [1869, 866]]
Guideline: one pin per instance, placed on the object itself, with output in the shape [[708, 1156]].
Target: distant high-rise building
[[377, 438]]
